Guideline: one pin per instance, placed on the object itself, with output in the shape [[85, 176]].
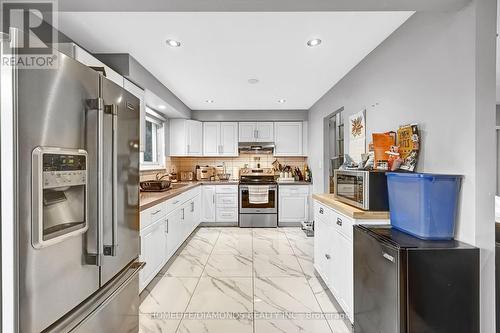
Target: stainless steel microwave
[[366, 190]]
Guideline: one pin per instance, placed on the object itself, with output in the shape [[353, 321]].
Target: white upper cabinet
[[229, 139], [288, 138], [88, 59], [220, 139], [265, 131], [211, 139], [195, 138], [186, 137], [256, 131], [139, 93], [247, 132]]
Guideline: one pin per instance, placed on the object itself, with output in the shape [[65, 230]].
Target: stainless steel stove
[[258, 206]]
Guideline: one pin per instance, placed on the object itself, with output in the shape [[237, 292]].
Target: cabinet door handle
[[167, 226], [321, 211], [327, 256], [339, 221], [175, 202], [188, 148], [213, 198], [388, 256], [159, 210], [182, 213], [192, 206]]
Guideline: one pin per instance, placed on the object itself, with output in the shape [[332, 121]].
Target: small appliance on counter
[[366, 190], [405, 284], [204, 173], [187, 176]]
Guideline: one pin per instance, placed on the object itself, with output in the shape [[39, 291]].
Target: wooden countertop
[[350, 211], [150, 199]]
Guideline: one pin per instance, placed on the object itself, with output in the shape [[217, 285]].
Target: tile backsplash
[[233, 164]]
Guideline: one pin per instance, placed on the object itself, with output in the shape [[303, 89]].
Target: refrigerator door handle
[[110, 250], [95, 128]]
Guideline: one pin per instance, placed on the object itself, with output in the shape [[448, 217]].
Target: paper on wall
[[357, 136]]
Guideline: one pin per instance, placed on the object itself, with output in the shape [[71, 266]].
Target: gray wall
[[498, 149], [437, 70], [249, 115], [255, 6], [130, 68]]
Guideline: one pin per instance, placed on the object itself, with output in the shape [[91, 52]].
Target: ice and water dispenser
[[59, 187]]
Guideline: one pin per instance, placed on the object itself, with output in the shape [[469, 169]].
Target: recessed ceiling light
[[162, 107], [281, 100], [173, 43], [313, 42], [253, 81], [209, 101]]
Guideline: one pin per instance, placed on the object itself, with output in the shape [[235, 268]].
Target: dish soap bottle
[[307, 174]]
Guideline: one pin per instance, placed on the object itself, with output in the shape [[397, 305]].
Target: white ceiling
[[221, 51]]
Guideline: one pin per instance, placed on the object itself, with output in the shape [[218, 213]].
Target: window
[[154, 146]]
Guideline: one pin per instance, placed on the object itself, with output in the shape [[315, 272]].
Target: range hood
[[256, 147]]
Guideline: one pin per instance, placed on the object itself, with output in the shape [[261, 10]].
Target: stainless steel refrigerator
[[77, 157]]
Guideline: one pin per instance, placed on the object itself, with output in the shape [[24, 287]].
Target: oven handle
[[271, 187]]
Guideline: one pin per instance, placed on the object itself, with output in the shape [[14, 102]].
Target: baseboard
[[289, 224], [218, 224]]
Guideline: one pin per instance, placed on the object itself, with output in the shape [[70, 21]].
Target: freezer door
[[51, 108], [120, 177], [377, 285]]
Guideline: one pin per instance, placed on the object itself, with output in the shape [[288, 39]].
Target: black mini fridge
[[403, 284]]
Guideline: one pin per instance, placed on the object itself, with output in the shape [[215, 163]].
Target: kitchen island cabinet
[[333, 245]]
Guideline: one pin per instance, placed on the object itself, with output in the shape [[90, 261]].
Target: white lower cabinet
[[333, 253], [164, 228], [153, 250], [293, 203], [220, 204], [208, 203]]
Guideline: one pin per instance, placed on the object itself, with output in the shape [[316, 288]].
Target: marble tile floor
[[241, 280]]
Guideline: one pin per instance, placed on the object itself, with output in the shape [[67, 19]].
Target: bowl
[[155, 185]]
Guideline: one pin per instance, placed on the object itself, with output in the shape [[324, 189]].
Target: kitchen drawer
[[227, 200], [290, 190], [226, 189], [176, 202], [227, 215], [343, 224], [153, 214], [323, 212]]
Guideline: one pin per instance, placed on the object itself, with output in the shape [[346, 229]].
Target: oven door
[[271, 207], [351, 187]]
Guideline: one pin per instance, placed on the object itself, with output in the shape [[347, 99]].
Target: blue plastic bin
[[424, 205]]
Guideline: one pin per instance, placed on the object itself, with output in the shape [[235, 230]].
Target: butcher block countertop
[[350, 211], [150, 199]]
